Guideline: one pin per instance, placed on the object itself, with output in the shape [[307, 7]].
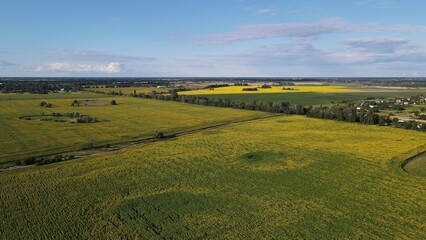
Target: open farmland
[[130, 120], [272, 89], [128, 90], [30, 96], [313, 98], [417, 165], [231, 119], [286, 177], [305, 95]]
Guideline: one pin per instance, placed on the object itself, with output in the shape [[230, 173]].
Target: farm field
[[28, 96], [273, 89], [130, 120], [312, 98], [286, 177], [129, 90], [417, 166]]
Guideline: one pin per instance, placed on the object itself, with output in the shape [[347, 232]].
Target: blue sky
[[221, 38]]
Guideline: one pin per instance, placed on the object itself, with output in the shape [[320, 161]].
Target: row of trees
[[43, 160], [344, 113], [38, 86], [250, 89], [276, 107], [348, 113], [78, 118]]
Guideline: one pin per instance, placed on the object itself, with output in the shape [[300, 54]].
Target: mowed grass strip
[[291, 177], [131, 119]]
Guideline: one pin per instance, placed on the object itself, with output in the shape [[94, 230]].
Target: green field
[[273, 89], [279, 178], [130, 120], [417, 165], [129, 90], [311, 98], [28, 96]]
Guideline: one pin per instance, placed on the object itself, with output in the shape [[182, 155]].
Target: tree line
[[272, 107], [347, 113]]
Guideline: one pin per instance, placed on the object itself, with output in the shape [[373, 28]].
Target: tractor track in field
[[127, 145], [176, 135]]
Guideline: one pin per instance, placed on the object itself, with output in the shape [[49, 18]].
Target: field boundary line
[[402, 160]]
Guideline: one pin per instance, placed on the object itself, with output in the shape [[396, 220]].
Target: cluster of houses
[[391, 103], [397, 104], [369, 104], [415, 100]]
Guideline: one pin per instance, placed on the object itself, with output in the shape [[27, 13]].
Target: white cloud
[[285, 30], [113, 67], [379, 45], [84, 55], [363, 57], [7, 64], [266, 11], [381, 4]]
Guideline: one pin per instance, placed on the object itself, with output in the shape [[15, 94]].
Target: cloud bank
[[322, 27], [7, 64], [84, 55], [114, 67]]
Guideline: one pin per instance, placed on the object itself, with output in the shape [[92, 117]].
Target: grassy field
[[312, 98], [130, 120], [273, 89], [305, 95], [287, 178], [28, 96], [128, 90], [417, 166]]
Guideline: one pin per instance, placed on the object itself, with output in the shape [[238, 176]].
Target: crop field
[[417, 165], [130, 120], [312, 98], [128, 90], [273, 89], [28, 96], [286, 177]]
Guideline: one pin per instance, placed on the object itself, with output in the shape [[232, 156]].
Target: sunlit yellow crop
[[129, 120], [285, 177], [273, 89]]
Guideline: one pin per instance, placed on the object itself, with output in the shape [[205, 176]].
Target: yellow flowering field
[[289, 177], [131, 119]]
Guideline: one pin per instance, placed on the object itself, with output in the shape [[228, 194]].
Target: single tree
[[158, 135]]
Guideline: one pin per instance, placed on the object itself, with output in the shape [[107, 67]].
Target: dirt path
[[128, 145]]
